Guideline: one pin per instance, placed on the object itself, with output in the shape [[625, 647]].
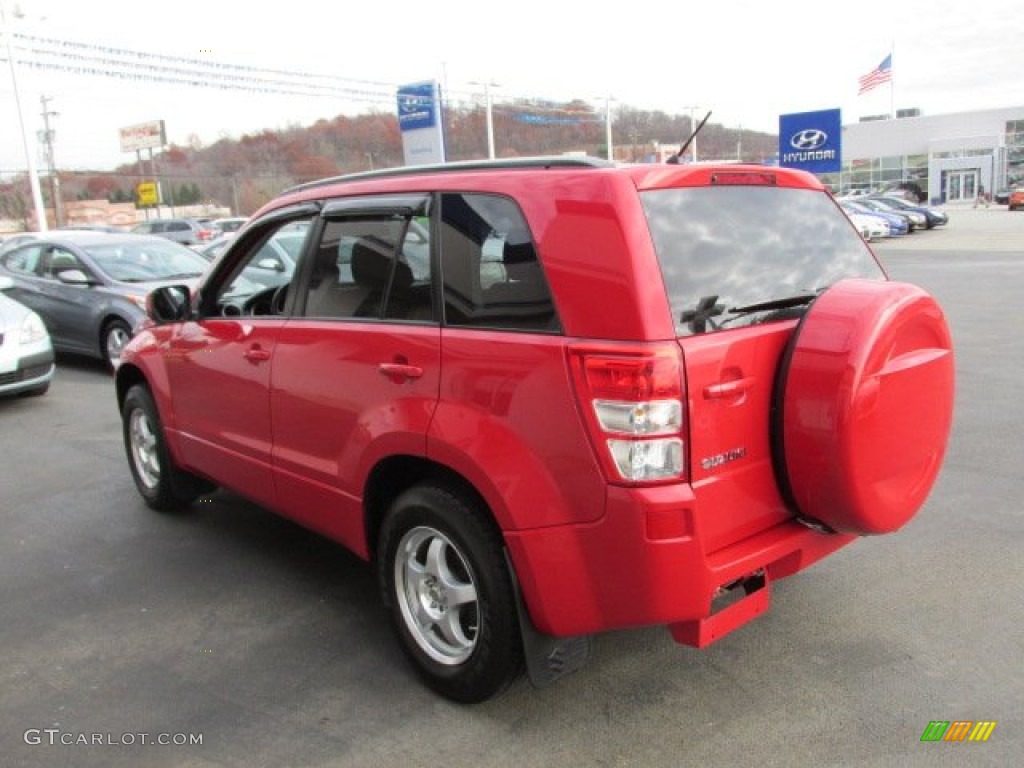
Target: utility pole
[[490, 116], [608, 125], [51, 163], [33, 176]]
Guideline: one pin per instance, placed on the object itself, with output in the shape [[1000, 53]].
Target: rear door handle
[[727, 389], [256, 354]]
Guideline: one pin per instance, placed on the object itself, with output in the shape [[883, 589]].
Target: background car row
[[900, 216], [90, 288]]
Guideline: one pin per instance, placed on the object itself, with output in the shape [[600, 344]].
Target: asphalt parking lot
[[268, 643]]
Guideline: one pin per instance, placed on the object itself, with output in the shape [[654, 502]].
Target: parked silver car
[[185, 230], [26, 354], [90, 288]]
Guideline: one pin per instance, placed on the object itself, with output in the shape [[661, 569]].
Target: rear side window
[[492, 276], [733, 247], [25, 260]]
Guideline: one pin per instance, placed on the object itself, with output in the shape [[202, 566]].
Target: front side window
[[492, 275], [60, 260], [372, 267], [260, 281], [726, 250]]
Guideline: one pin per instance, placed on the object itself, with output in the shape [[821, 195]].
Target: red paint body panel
[[335, 414]]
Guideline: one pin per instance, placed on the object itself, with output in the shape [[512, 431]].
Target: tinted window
[[492, 276], [372, 268], [735, 246]]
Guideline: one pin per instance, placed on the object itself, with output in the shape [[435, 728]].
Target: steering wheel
[[278, 299]]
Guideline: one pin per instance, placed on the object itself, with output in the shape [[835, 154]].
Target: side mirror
[[169, 304], [74, 277]]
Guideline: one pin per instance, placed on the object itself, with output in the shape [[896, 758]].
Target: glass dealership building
[[948, 156]]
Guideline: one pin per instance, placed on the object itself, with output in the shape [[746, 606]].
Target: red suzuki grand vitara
[[550, 397]]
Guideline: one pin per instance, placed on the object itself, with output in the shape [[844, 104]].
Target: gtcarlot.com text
[[55, 737]]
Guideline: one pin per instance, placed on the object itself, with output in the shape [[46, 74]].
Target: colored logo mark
[[958, 730]]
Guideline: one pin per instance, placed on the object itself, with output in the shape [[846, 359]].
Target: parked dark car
[[90, 288], [933, 216], [1001, 197], [185, 231]]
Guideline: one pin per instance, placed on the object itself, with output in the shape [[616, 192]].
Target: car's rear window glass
[[735, 246]]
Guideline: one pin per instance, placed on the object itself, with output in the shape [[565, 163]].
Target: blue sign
[[417, 106], [811, 141]]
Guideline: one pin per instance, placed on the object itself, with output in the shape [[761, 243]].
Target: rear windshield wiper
[[772, 305], [786, 302]]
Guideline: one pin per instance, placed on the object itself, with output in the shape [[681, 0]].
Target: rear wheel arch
[[394, 475]]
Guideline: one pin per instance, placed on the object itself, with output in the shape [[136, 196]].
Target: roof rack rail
[[512, 163]]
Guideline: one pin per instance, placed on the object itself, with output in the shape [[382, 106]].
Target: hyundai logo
[[808, 139]]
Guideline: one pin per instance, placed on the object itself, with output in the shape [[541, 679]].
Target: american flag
[[880, 74]]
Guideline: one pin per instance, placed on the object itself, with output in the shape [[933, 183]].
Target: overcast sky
[[746, 61]]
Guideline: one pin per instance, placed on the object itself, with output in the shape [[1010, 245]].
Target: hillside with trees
[[244, 173]]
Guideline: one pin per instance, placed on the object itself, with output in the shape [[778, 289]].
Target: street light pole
[[608, 125], [33, 175], [51, 162]]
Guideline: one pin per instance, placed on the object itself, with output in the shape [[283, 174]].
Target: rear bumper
[[643, 563]]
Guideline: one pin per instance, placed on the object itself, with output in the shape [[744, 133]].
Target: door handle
[[399, 372], [727, 389], [256, 354]]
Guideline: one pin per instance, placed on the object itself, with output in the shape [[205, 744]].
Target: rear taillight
[[632, 399]]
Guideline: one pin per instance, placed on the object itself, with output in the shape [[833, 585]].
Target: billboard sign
[[811, 141], [419, 120], [149, 135]]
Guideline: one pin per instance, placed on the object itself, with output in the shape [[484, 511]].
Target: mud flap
[[548, 658]]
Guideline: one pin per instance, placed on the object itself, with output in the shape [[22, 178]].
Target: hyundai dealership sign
[[811, 141], [419, 119]]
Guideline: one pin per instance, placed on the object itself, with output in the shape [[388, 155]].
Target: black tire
[[163, 486], [444, 579], [116, 333]]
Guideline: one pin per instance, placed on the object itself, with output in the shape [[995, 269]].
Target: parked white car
[[26, 354], [870, 227]]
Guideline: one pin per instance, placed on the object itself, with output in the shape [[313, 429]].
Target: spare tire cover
[[864, 405]]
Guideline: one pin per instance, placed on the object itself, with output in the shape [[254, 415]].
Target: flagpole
[[892, 82]]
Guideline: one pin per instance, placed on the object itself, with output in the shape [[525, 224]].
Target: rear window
[[733, 247]]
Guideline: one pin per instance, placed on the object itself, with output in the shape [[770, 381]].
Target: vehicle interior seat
[[524, 294]]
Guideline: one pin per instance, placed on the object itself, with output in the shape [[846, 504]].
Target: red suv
[[552, 397]]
